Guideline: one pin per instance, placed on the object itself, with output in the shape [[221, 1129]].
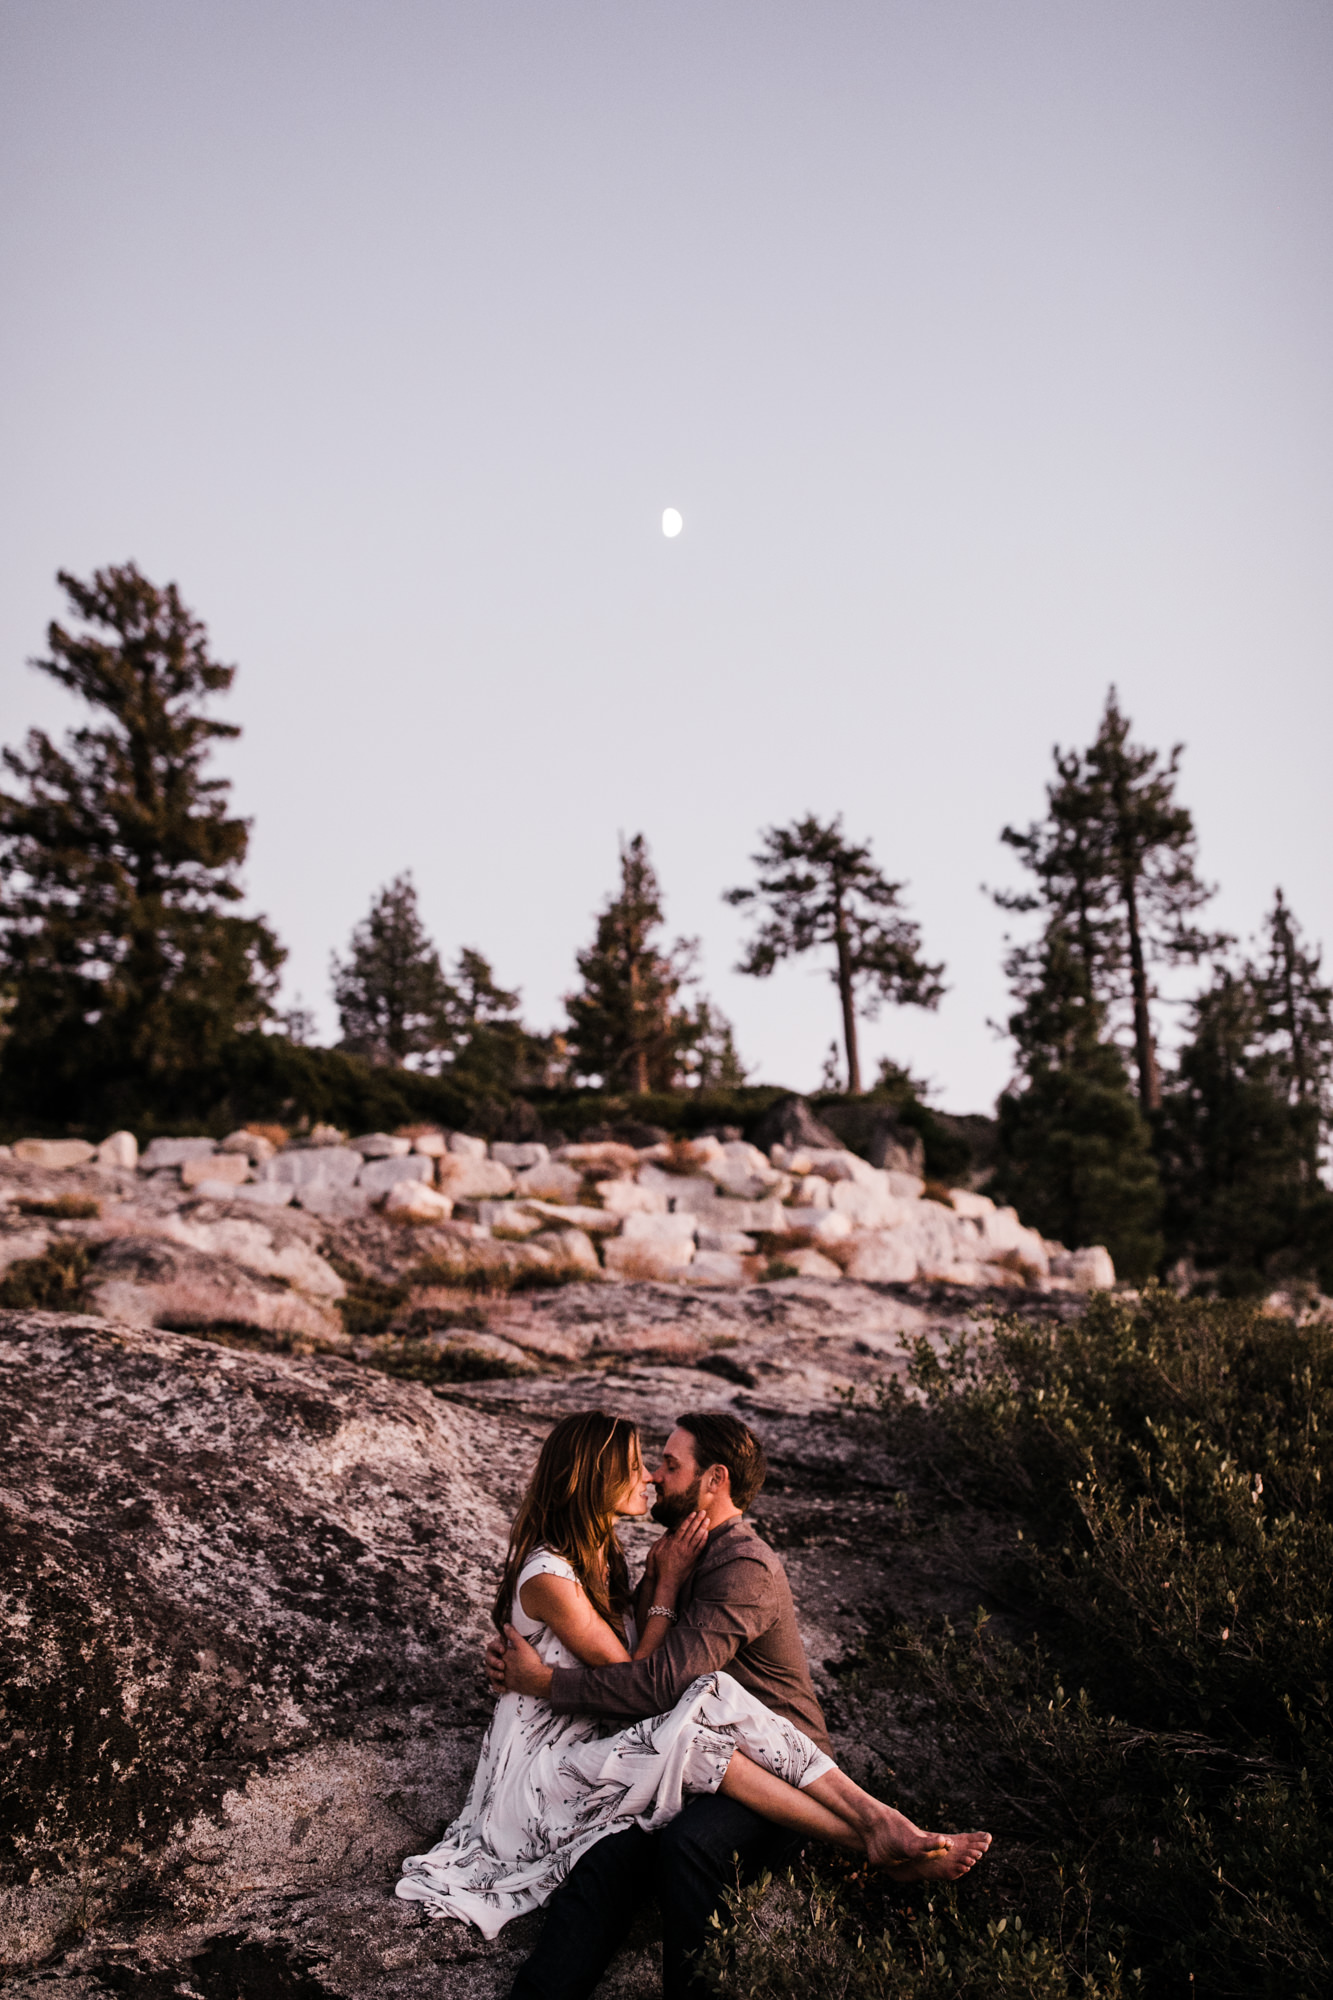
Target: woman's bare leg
[[889, 1839], [786, 1805]]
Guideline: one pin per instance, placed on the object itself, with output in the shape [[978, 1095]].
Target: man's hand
[[515, 1667]]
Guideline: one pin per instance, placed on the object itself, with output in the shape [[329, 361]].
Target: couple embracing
[[647, 1742]]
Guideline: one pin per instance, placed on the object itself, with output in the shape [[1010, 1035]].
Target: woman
[[548, 1786]]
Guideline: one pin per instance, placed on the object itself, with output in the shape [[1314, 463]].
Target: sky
[[984, 346]]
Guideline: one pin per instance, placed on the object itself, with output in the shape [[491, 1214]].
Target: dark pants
[[687, 1866]]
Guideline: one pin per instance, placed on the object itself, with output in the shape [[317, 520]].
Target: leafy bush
[[53, 1282], [1157, 1764]]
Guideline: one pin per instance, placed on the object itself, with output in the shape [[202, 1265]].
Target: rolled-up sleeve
[[732, 1603]]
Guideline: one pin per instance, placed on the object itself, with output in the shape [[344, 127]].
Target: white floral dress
[[548, 1786]]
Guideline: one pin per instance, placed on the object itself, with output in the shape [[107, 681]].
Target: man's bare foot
[[914, 1855]]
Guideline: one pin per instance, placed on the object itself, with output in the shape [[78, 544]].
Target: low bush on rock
[[63, 1208], [1156, 1761], [53, 1282], [426, 1361]]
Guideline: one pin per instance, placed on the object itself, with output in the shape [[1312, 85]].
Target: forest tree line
[[135, 991]]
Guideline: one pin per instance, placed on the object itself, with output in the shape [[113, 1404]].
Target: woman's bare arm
[[565, 1608]]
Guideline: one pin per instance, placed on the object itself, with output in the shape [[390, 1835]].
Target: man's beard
[[670, 1511]]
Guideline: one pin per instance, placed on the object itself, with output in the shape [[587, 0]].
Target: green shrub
[[53, 1282], [1156, 1761], [806, 1939]]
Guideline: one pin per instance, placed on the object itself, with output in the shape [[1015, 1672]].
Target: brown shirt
[[735, 1614]]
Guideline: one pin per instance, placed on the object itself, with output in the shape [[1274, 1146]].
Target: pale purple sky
[[984, 347]]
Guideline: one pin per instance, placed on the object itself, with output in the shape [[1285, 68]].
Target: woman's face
[[634, 1497]]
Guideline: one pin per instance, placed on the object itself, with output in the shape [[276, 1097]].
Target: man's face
[[677, 1479]]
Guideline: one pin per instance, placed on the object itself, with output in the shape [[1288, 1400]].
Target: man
[[734, 1612]]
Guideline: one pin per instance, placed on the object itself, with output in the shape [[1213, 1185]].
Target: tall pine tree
[[1115, 866], [1246, 1116], [627, 1027], [1075, 1153], [816, 889], [392, 996], [129, 969]]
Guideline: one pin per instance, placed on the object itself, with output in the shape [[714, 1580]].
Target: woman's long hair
[[569, 1507]]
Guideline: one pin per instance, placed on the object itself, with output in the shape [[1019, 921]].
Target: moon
[[672, 522]]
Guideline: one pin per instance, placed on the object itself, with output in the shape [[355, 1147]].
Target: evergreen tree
[[1245, 1118], [1075, 1153], [1298, 1030], [625, 1024], [392, 996], [127, 967], [818, 890], [489, 1048], [710, 1059], [1115, 867]]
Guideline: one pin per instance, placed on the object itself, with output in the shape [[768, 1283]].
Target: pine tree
[[1075, 1150], [1246, 1115], [1298, 1028], [625, 1025], [1115, 866], [127, 968], [392, 996], [818, 890], [489, 1047], [710, 1059]]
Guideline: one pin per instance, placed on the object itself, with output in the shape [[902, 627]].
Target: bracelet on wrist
[[661, 1611]]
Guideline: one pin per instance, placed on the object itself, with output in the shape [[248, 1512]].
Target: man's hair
[[723, 1440]]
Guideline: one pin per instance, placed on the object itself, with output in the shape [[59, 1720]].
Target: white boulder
[[430, 1144], [310, 1166], [229, 1168], [659, 1229], [549, 1180], [810, 1264], [628, 1198], [467, 1177], [417, 1201], [161, 1152], [465, 1148], [726, 1242], [596, 1221], [882, 1258], [868, 1207], [378, 1176], [381, 1146], [254, 1145], [264, 1194], [329, 1201], [608, 1155], [516, 1155], [121, 1149], [627, 1258], [715, 1267], [572, 1248], [509, 1218], [1090, 1270]]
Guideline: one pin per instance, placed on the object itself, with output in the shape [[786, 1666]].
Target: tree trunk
[[638, 1072], [847, 996], [1150, 1082]]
